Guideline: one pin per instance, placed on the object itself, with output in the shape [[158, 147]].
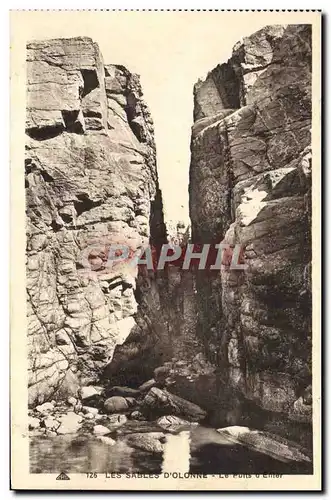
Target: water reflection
[[199, 451], [176, 454]]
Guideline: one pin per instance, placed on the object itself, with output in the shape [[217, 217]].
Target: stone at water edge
[[116, 404], [146, 441], [51, 423], [100, 430], [70, 423], [90, 409], [266, 443], [235, 430], [33, 423], [160, 402], [171, 422], [106, 440]]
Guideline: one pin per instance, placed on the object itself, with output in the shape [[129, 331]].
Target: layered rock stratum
[[91, 181], [250, 184]]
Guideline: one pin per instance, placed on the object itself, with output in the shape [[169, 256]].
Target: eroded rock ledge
[[91, 180]]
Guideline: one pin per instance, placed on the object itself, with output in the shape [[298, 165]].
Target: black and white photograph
[[169, 228]]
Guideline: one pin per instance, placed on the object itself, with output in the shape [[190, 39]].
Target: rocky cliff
[[91, 181], [234, 342], [250, 180]]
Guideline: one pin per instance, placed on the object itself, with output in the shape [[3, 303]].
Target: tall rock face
[[250, 184], [91, 181]]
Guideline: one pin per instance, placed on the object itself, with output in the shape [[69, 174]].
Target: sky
[[170, 51]]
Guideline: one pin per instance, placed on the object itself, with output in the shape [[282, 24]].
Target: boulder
[[264, 442], [115, 404], [51, 423], [106, 440], [162, 402], [146, 441], [70, 423], [173, 423], [100, 430]]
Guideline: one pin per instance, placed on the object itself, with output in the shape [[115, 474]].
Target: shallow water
[[199, 451]]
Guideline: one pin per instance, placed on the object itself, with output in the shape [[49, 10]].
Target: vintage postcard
[[166, 235]]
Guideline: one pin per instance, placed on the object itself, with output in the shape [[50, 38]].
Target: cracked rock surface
[[90, 176], [250, 184]]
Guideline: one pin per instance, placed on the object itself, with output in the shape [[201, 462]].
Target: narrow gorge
[[118, 351]]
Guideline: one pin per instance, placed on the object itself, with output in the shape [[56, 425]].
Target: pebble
[[115, 404], [172, 422]]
